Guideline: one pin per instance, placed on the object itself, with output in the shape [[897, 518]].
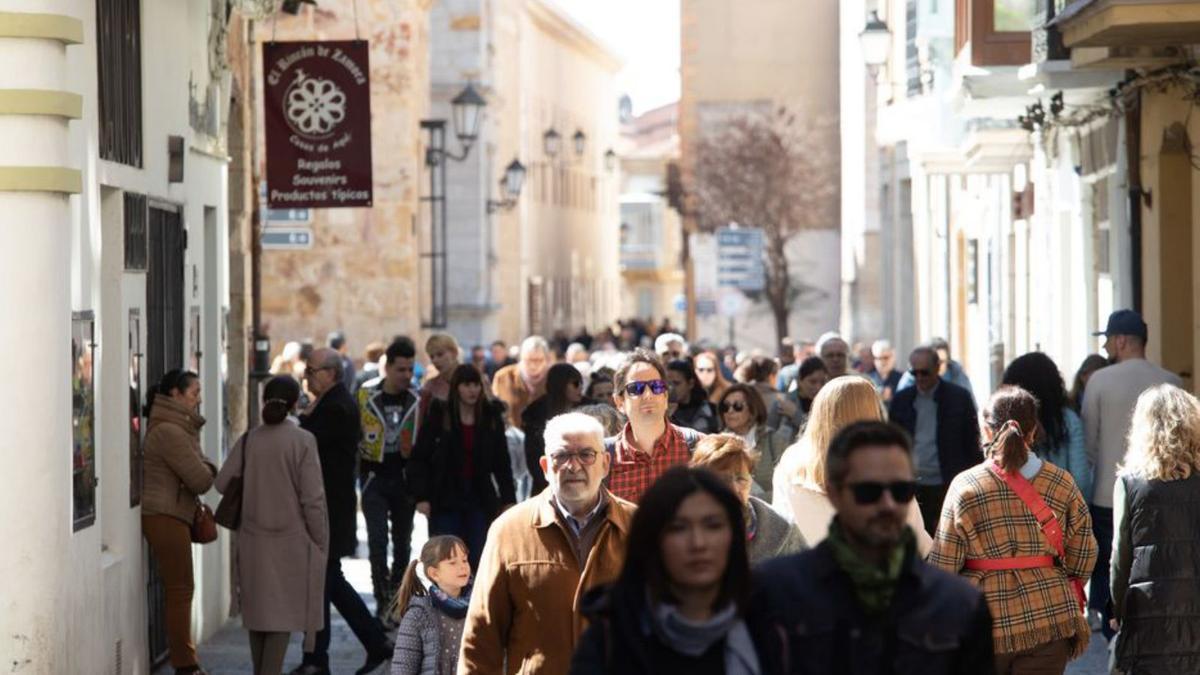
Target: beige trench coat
[[284, 535]]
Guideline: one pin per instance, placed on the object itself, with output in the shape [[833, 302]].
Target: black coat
[[957, 426], [805, 620], [615, 642], [699, 414], [1155, 589], [435, 468], [338, 429]]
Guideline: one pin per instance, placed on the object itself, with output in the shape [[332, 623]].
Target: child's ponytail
[[410, 585]]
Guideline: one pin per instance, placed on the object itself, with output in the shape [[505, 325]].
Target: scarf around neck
[[873, 586], [455, 608], [693, 638]]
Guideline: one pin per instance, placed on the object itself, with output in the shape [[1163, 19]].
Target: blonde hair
[[442, 342], [718, 449], [1164, 435], [842, 401]]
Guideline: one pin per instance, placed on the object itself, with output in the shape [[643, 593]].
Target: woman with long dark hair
[[564, 392], [1017, 528], [689, 406], [176, 473], [708, 371], [459, 471], [1060, 431], [679, 603], [283, 539]]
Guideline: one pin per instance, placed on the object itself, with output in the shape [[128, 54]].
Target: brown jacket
[[283, 541], [175, 468], [526, 602], [509, 386]]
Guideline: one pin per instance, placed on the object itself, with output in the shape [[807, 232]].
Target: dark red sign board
[[318, 117]]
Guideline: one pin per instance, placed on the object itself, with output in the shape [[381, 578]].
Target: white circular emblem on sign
[[315, 106]]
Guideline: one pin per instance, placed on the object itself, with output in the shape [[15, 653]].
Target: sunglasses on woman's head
[[636, 389], [871, 492], [736, 406]]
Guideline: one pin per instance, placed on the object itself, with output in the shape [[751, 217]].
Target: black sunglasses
[[635, 389], [870, 492], [736, 406], [920, 372]]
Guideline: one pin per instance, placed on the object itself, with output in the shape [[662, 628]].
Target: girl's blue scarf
[[455, 608]]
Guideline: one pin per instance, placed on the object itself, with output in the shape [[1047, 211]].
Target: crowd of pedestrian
[[627, 502]]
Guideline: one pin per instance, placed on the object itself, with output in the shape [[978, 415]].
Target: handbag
[[229, 509], [204, 527]]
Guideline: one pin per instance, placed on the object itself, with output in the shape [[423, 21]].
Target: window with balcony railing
[[997, 32]]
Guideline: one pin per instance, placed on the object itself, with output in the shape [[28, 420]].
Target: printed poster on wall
[[317, 97]]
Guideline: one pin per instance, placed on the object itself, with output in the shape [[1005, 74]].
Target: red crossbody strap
[[1029, 494], [1045, 518]]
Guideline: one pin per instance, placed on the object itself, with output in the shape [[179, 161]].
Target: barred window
[[119, 54]]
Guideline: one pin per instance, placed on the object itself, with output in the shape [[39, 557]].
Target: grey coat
[[284, 535], [770, 444], [418, 640], [775, 535]]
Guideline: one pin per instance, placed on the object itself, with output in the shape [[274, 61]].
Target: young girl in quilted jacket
[[431, 620]]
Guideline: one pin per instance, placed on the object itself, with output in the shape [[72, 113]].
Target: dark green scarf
[[874, 586]]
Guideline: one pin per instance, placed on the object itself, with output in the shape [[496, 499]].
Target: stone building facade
[[361, 273]]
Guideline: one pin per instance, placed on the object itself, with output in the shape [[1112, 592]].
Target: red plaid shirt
[[633, 471]]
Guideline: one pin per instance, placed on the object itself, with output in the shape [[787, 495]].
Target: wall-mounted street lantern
[[551, 142], [875, 40], [467, 112], [580, 139], [610, 160], [510, 185]]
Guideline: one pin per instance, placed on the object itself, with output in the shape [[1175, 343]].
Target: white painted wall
[[72, 596]]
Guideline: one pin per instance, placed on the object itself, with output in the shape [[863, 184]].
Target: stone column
[[36, 188]]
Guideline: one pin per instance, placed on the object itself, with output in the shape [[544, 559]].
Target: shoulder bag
[[229, 509]]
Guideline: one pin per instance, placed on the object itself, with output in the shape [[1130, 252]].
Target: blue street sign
[[287, 238], [740, 258]]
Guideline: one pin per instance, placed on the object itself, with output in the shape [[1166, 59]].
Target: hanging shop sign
[[317, 97]]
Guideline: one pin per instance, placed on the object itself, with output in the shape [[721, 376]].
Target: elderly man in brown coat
[[525, 380], [542, 555], [283, 537]]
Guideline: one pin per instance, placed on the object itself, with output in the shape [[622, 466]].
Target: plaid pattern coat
[[632, 472], [983, 518]]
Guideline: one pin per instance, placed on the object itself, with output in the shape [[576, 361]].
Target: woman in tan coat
[[175, 473], [283, 537]]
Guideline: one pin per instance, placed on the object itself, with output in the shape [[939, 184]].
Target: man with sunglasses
[[649, 444], [863, 601], [543, 554], [941, 418]]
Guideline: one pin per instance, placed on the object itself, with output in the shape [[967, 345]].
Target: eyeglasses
[[871, 492], [736, 406], [561, 459], [920, 372], [636, 389]]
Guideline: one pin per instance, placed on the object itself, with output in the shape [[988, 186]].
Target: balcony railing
[[640, 256]]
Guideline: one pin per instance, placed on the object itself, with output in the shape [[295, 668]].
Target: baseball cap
[[1124, 322]]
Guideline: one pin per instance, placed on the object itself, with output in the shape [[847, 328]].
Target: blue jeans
[[385, 501], [1098, 599], [468, 523]]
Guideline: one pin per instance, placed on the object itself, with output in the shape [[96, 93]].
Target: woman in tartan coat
[[990, 536]]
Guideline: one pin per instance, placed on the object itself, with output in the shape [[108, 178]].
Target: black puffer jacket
[[436, 466], [1156, 577]]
